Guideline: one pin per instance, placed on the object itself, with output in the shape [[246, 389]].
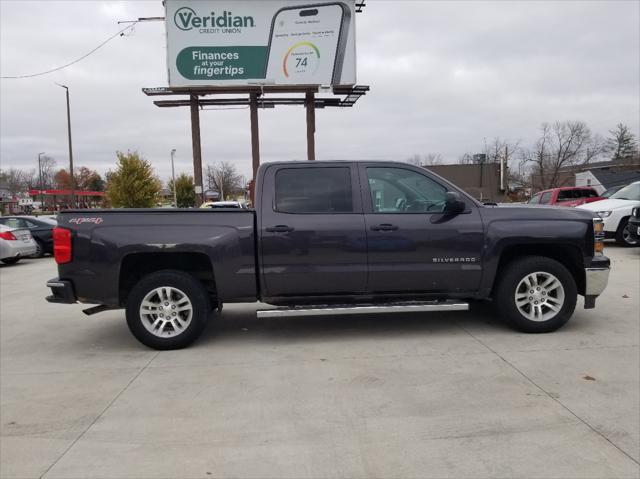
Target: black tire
[[40, 251], [511, 276], [10, 260], [620, 235], [185, 283]]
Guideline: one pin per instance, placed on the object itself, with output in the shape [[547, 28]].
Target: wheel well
[[621, 222], [135, 266], [569, 256]]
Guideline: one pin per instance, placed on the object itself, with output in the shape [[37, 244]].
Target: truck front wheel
[[167, 310], [536, 294]]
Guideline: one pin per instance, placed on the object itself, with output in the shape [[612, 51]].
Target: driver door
[[413, 246]]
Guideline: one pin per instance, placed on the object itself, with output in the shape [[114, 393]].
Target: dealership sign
[[271, 42]]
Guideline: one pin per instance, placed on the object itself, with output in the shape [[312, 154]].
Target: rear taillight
[[62, 245], [8, 235]]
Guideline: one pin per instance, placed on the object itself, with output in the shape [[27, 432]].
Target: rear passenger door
[[312, 233]]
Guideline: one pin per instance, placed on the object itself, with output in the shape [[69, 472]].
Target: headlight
[[604, 214]]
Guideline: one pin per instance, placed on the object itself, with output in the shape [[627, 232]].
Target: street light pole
[[173, 175], [73, 180], [40, 178]]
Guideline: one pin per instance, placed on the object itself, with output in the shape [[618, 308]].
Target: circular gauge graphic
[[303, 58]]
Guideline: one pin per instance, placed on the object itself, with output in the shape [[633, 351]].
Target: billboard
[[271, 42]]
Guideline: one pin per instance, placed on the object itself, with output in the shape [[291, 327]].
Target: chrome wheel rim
[[166, 312], [626, 236], [539, 296]]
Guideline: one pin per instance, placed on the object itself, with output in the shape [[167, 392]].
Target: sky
[[444, 76]]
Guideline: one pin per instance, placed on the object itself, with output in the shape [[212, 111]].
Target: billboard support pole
[[197, 147], [255, 134], [310, 104]]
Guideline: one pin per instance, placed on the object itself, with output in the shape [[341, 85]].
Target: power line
[[118, 33]]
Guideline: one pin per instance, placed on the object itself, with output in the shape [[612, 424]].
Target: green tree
[[185, 191], [622, 144], [133, 183]]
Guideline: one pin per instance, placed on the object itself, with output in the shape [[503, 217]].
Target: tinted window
[[535, 200], [546, 198], [314, 190], [568, 195], [396, 190]]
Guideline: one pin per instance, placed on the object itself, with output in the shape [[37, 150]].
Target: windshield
[[611, 191], [629, 192]]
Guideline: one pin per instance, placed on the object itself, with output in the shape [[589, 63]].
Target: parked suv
[[616, 212]]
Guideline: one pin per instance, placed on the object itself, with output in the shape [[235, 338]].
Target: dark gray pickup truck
[[330, 238]]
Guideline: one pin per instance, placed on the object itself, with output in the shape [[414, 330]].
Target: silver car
[[15, 244]]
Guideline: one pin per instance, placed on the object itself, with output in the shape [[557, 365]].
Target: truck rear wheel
[[536, 294], [167, 310]]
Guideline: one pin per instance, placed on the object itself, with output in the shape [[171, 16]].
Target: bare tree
[[49, 170], [17, 180], [561, 148], [223, 177], [495, 151], [622, 144], [465, 159], [428, 159], [433, 159], [499, 149], [415, 160]]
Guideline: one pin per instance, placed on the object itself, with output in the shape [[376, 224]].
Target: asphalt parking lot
[[411, 395]]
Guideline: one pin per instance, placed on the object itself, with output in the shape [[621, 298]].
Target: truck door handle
[[384, 227], [280, 229]]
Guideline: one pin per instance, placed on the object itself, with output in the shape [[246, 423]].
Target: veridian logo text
[[186, 18]]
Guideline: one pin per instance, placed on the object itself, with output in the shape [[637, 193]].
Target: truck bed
[[115, 247]]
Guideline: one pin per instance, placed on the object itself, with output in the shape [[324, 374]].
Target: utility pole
[[173, 175], [310, 104], [197, 148], [73, 179], [40, 179]]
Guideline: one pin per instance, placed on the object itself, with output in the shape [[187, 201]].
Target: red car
[[566, 196]]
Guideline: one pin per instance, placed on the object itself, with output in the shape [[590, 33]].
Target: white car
[[616, 211], [15, 244]]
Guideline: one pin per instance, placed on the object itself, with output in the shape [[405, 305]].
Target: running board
[[342, 309]]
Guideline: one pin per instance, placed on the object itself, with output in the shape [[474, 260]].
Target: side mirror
[[454, 203]]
